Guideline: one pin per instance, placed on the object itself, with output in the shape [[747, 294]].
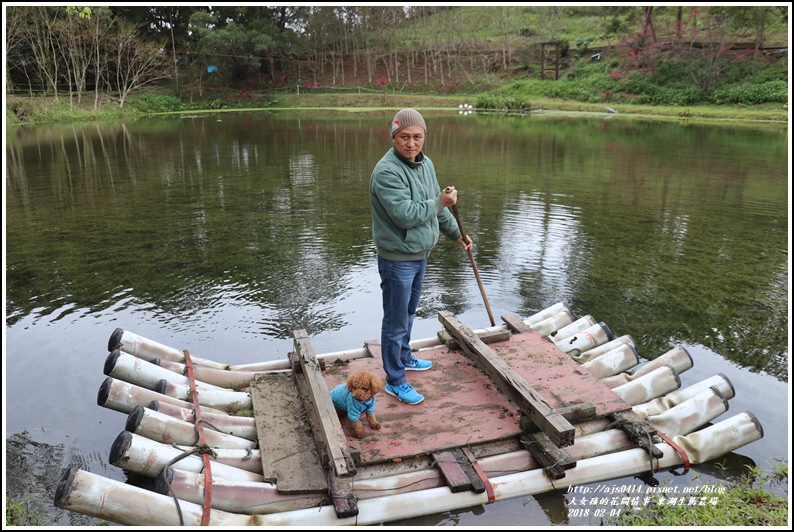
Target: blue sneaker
[[405, 393], [417, 364]]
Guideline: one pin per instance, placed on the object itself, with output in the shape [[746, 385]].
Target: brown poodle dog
[[356, 397]]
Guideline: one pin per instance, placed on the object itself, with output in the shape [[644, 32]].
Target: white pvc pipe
[[148, 350], [647, 387], [552, 323], [234, 380], [583, 323], [660, 404], [138, 371], [547, 313], [166, 429], [678, 357], [244, 427], [691, 414], [128, 505], [612, 362], [591, 337], [122, 396], [220, 398], [417, 344], [603, 348], [148, 458], [237, 496]]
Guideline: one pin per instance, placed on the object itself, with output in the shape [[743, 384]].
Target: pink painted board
[[462, 406]]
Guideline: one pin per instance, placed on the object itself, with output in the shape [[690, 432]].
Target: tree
[[647, 24], [16, 21], [136, 64], [615, 21], [41, 40], [164, 23], [234, 39], [102, 23], [75, 47], [753, 21]]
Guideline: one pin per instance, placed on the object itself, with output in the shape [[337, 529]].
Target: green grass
[[744, 503], [24, 513], [19, 513], [45, 110]]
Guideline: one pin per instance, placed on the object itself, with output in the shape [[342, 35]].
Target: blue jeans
[[401, 286]]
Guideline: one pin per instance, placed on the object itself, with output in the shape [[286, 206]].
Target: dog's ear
[[376, 384], [351, 382]]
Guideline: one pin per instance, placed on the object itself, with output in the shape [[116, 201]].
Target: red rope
[[488, 487], [205, 516], [677, 447]]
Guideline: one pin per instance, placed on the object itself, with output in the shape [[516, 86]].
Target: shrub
[[156, 103], [749, 93], [501, 103]]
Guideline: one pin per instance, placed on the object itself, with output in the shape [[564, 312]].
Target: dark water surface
[[224, 233]]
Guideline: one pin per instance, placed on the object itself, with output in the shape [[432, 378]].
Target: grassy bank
[[37, 110], [744, 503]]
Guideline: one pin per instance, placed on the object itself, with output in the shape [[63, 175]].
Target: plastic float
[[528, 407]]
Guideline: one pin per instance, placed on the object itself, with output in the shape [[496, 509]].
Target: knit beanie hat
[[406, 118]]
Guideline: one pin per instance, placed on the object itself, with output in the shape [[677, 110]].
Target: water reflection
[[234, 230], [683, 227]]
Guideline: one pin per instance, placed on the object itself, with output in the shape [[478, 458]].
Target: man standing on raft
[[409, 211]]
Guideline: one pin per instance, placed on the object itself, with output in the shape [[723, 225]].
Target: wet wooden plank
[[557, 428], [516, 324], [574, 414], [550, 457], [344, 501], [473, 470], [450, 467], [288, 452], [457, 468], [487, 337], [339, 457], [639, 431]]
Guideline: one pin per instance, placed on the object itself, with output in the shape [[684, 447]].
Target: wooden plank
[[449, 465], [344, 501], [573, 413], [487, 337], [477, 482], [457, 468], [577, 413], [551, 458], [638, 430], [516, 324], [335, 441], [288, 453], [528, 401]]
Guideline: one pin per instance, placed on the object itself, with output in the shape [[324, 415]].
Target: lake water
[[224, 233]]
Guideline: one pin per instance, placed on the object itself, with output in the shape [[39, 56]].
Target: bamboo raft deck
[[526, 407]]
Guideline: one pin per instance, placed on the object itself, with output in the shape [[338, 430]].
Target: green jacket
[[407, 213]]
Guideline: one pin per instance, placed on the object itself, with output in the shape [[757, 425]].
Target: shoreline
[[27, 111]]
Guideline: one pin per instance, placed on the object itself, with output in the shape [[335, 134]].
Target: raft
[[530, 406]]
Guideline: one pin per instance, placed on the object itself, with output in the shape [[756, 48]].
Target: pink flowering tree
[[384, 82]]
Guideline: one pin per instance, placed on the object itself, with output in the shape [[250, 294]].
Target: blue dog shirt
[[344, 400]]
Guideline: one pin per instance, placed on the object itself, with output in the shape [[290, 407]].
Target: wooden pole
[[474, 265]]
